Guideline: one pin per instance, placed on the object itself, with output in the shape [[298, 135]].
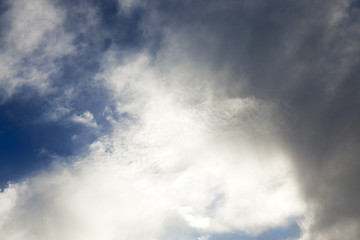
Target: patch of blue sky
[[111, 27], [33, 126], [290, 231], [27, 141]]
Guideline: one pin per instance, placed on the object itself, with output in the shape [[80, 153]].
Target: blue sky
[[203, 120], [292, 230]]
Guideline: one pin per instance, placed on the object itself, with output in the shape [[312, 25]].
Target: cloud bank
[[172, 161], [226, 117]]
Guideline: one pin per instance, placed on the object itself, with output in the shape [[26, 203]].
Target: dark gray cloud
[[304, 56]]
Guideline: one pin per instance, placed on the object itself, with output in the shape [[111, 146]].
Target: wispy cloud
[[215, 118], [34, 41], [174, 162]]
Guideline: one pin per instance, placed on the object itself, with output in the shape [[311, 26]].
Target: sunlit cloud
[[170, 161], [179, 120]]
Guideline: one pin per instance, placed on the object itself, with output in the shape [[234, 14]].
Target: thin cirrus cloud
[[185, 119]]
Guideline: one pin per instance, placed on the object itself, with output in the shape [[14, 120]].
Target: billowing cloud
[[215, 118], [172, 161], [303, 57]]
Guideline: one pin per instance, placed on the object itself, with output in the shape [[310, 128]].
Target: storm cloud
[[303, 56], [181, 119]]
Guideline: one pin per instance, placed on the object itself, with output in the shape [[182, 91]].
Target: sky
[[179, 120]]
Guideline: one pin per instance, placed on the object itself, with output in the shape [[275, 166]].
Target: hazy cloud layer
[[303, 56], [172, 162], [187, 119]]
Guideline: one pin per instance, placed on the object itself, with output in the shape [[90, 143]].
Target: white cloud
[[126, 6], [183, 158], [211, 148], [30, 21], [85, 118], [34, 40], [187, 156], [203, 237]]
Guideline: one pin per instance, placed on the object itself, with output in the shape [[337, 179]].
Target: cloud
[[127, 6], [86, 118], [30, 22], [232, 117], [303, 58], [223, 131], [171, 163], [34, 39]]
